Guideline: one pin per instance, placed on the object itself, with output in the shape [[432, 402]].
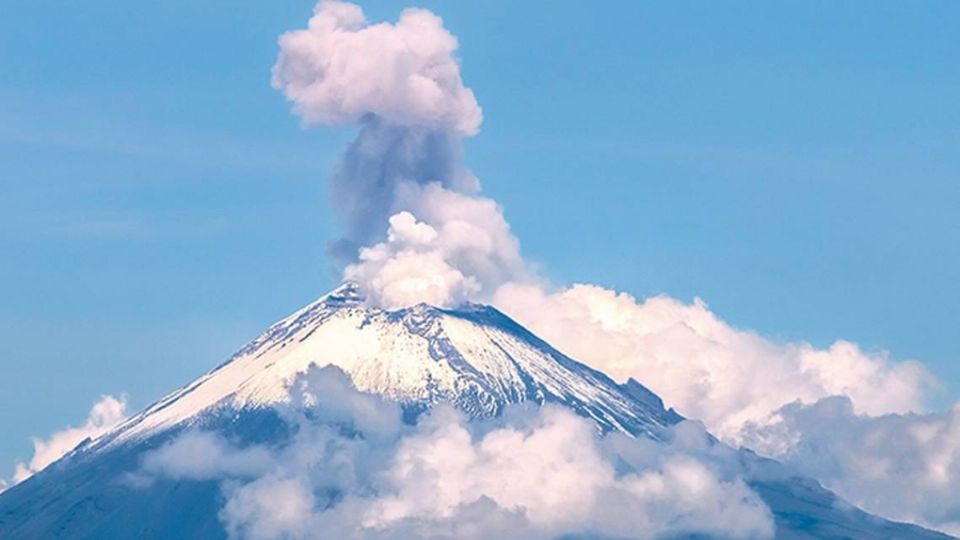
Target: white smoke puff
[[704, 367], [270, 508], [105, 414], [340, 70], [904, 467], [474, 233], [462, 250], [409, 268]]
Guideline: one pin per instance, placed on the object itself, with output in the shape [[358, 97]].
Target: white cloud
[[354, 470], [841, 415], [331, 399], [104, 415], [406, 270], [198, 455], [704, 367], [905, 467], [340, 69], [554, 476], [270, 507]]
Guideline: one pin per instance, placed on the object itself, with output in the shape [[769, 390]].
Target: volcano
[[474, 358]]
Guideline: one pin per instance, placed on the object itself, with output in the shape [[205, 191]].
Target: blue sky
[[794, 165]]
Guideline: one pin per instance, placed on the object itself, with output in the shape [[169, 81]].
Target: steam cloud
[[843, 416], [401, 83]]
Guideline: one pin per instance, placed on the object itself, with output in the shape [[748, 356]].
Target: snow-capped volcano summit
[[474, 357]]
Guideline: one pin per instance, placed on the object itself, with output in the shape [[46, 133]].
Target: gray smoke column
[[416, 228], [401, 83], [366, 188]]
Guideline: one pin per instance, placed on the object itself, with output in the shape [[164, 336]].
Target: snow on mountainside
[[475, 357]]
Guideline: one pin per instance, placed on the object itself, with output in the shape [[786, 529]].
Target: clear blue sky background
[[796, 165]]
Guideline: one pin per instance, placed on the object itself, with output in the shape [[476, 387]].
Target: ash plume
[[401, 84]]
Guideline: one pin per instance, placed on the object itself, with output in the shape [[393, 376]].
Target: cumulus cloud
[[330, 398], [553, 476], [844, 416], [105, 414], [903, 466], [353, 469], [704, 367]]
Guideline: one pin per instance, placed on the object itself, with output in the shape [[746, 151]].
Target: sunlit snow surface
[[474, 357]]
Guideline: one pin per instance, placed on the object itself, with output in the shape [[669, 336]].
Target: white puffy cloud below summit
[[902, 466], [354, 470]]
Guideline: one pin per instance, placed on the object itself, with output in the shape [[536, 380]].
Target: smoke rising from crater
[[401, 84]]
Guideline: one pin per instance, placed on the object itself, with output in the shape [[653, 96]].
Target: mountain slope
[[474, 357]]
